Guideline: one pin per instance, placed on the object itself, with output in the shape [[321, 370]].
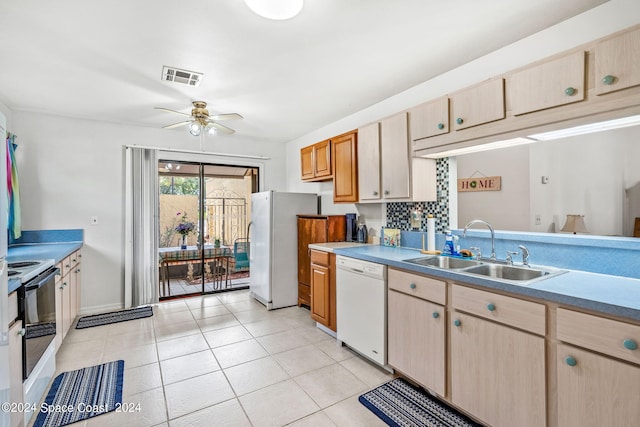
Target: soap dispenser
[[448, 244]]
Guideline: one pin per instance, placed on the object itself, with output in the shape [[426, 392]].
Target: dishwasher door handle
[[355, 270]]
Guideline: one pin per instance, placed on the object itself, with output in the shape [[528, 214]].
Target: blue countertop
[[615, 295], [34, 251]]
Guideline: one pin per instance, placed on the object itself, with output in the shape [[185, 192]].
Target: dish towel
[[13, 189]]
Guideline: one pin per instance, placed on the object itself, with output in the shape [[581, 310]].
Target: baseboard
[[96, 309]]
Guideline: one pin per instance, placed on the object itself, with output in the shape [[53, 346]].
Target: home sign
[[483, 183]]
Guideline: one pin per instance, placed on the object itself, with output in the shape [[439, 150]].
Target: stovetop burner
[[23, 264], [26, 270]]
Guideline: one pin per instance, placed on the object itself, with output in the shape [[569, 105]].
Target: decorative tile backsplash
[[398, 213]]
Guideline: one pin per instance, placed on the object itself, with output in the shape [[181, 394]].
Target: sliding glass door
[[204, 214]]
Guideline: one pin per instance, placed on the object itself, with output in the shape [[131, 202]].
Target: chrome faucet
[[493, 236], [525, 255]]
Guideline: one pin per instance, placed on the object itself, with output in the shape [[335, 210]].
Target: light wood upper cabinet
[[429, 119], [478, 104], [369, 163], [344, 156], [550, 84], [394, 142], [617, 62], [315, 162], [497, 372]]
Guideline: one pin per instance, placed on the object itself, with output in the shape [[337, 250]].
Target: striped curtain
[[14, 222], [141, 227]]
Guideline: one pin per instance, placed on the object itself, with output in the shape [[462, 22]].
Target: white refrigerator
[[273, 249]]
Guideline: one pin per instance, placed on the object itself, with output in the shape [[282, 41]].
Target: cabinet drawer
[[420, 286], [596, 333], [320, 257], [515, 312], [13, 306]]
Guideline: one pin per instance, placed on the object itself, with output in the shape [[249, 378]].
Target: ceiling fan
[[200, 120]]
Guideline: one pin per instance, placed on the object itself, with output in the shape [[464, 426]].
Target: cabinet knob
[[67, 265], [571, 361], [375, 193], [22, 332], [440, 126], [435, 314], [570, 91], [459, 120], [386, 192], [608, 79], [630, 344], [491, 307], [412, 286], [457, 322], [78, 271]]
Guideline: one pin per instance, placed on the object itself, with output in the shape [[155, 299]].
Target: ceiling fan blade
[[172, 111], [175, 125], [228, 116], [222, 128]]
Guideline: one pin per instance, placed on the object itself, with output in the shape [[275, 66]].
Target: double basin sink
[[496, 270]]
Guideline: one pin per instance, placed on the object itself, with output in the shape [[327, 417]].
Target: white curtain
[[141, 227]]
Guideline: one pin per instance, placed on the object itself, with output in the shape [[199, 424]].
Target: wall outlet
[[94, 220], [538, 219]]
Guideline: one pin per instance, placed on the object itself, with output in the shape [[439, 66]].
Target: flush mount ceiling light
[[277, 10]]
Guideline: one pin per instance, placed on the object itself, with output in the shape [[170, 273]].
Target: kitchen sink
[[493, 269], [512, 273], [444, 262]]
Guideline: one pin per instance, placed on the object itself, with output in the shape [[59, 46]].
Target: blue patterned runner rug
[[85, 393], [399, 404], [114, 317]]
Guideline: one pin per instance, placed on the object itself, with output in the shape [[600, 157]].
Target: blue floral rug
[[77, 395], [399, 404]]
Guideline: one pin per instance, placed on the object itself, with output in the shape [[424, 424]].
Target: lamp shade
[[574, 224]]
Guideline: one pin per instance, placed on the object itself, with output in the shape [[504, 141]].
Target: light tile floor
[[224, 360]]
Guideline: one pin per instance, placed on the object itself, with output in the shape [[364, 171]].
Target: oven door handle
[[43, 280]]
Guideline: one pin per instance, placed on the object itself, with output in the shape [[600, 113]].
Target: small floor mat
[[399, 403], [77, 395], [114, 317]]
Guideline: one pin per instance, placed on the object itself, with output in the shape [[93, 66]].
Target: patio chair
[[240, 260]]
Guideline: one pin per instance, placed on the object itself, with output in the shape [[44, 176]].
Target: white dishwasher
[[361, 307]]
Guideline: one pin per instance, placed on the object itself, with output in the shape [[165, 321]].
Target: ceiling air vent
[[172, 74]]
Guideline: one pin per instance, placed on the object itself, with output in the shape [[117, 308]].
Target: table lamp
[[574, 224]]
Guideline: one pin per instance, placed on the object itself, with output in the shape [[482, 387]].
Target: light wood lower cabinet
[[497, 372], [323, 288], [68, 293], [416, 339], [594, 390]]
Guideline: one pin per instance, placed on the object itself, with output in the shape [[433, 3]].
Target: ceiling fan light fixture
[[195, 128], [211, 130], [277, 10]]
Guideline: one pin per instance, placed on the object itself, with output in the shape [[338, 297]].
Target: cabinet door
[[15, 371], [394, 159], [322, 159], [594, 390], [306, 162], [345, 168], [369, 162], [479, 104], [416, 337], [497, 372], [617, 62], [320, 310], [429, 119], [310, 230], [547, 85]]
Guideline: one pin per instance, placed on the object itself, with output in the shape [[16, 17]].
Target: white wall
[[608, 18], [73, 169], [507, 209], [594, 175]]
